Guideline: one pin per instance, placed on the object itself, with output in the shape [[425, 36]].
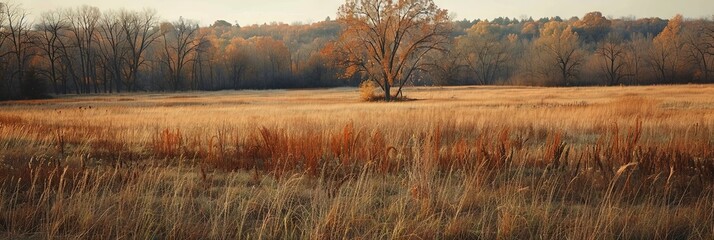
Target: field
[[452, 163]]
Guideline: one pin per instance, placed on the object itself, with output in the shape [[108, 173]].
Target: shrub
[[368, 91]]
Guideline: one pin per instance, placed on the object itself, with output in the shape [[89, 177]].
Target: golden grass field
[[454, 163]]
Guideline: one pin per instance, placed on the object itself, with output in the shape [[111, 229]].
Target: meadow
[[450, 163]]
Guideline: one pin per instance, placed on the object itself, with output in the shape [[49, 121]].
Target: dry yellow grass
[[458, 162]]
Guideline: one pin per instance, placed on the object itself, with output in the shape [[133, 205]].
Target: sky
[[247, 12]]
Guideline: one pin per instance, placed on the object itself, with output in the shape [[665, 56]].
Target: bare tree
[[201, 60], [637, 49], [446, 67], [5, 91], [613, 53], [113, 48], [83, 21], [140, 30], [562, 49], [17, 34], [386, 41], [699, 49], [56, 45], [179, 45], [485, 52], [49, 28], [707, 28]]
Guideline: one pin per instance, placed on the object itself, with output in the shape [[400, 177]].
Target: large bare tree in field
[[387, 40]]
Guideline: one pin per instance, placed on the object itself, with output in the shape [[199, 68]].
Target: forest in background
[[85, 50]]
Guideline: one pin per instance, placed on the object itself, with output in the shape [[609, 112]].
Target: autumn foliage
[[386, 42]]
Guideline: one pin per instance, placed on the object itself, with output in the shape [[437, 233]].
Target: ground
[[456, 162]]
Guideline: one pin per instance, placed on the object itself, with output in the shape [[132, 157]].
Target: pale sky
[[247, 12]]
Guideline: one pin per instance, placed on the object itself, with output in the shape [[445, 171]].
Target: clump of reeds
[[167, 143]]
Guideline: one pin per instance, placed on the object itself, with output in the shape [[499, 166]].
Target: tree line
[[592, 50], [85, 50]]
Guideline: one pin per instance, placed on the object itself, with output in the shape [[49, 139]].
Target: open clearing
[[457, 162]]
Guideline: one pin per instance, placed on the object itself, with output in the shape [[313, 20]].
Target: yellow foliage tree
[[561, 48], [664, 56]]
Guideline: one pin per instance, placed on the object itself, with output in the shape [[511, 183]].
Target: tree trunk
[[387, 92]]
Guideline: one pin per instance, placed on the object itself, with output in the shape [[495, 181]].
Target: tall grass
[[422, 169]]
